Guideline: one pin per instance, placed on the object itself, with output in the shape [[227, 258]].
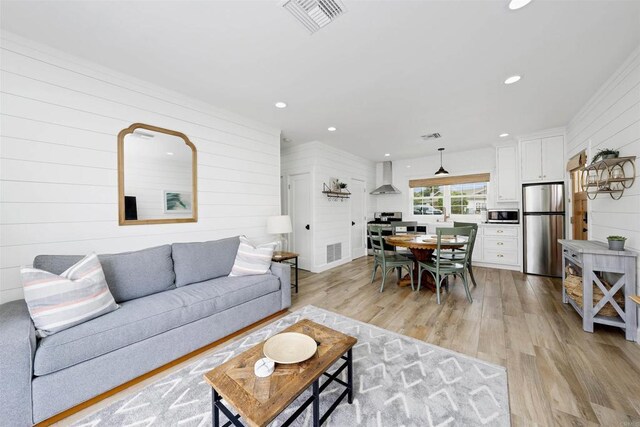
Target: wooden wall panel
[[59, 120]]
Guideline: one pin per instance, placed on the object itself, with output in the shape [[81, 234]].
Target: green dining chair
[[440, 268], [385, 261], [455, 255]]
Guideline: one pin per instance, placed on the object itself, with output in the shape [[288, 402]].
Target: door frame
[[574, 165]]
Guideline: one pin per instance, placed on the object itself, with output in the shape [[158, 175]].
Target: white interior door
[[358, 219], [300, 212]]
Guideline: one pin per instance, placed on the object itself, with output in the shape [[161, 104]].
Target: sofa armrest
[[283, 271], [17, 350]]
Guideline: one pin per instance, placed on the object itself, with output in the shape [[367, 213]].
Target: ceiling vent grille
[[314, 14], [434, 135]]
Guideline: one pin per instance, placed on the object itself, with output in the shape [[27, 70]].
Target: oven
[[503, 216], [385, 220]]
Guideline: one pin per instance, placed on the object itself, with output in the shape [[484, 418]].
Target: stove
[[386, 217]]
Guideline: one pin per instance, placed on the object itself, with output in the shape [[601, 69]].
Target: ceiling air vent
[[434, 135], [314, 14]]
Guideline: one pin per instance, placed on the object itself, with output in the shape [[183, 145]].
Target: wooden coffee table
[[258, 401]]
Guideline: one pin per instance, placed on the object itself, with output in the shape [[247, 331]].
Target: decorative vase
[[616, 245]]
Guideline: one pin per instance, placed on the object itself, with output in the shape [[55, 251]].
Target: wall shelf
[[609, 176], [334, 194]]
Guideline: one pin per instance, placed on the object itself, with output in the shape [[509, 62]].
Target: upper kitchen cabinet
[[507, 173], [542, 159]]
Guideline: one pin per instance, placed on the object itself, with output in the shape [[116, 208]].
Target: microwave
[[503, 216]]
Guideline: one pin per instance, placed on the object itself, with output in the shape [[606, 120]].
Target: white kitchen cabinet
[[542, 159], [476, 255], [531, 160], [500, 246], [553, 158], [507, 173]]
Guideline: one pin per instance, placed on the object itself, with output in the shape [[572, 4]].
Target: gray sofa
[[173, 300]]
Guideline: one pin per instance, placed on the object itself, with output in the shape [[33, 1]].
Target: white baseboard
[[325, 267], [498, 266]]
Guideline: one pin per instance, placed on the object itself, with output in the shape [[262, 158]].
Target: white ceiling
[[384, 73]]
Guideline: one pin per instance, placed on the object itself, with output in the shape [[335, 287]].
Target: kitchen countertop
[[594, 247]]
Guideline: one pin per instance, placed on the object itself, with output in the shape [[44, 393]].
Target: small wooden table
[[422, 247], [285, 257], [260, 400]]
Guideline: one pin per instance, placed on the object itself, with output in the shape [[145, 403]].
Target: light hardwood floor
[[558, 374]]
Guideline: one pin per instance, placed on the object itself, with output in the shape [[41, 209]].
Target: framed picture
[[177, 202]]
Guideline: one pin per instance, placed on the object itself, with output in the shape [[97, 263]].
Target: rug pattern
[[398, 381]]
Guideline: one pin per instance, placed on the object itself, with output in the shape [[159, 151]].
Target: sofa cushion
[[251, 259], [228, 292], [58, 302], [142, 318], [199, 261], [129, 275]]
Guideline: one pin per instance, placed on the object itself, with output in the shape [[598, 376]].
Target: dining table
[[422, 247]]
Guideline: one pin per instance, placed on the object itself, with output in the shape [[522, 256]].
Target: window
[[428, 200], [458, 199], [468, 199]]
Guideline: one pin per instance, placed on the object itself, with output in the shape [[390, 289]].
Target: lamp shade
[[280, 224]]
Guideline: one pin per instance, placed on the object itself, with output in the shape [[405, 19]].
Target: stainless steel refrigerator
[[543, 217]]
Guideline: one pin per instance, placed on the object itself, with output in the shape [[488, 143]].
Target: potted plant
[[605, 153], [342, 185], [616, 243]]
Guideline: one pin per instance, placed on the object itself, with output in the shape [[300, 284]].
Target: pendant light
[[441, 171]]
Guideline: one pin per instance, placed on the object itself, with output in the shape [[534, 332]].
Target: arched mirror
[[156, 176]]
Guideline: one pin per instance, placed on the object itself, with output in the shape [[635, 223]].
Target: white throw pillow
[[60, 302], [252, 259]]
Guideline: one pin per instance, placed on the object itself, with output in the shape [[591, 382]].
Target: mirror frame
[[194, 176]]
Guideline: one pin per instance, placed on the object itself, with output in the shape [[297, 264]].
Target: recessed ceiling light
[[503, 135], [512, 79], [518, 4], [408, 166], [169, 153], [281, 104], [331, 129], [387, 154]]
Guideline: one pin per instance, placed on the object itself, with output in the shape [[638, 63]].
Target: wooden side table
[[290, 258]]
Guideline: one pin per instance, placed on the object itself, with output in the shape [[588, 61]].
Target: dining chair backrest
[[377, 241], [463, 251], [473, 225]]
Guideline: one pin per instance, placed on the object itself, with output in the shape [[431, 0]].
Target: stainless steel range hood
[[387, 178]]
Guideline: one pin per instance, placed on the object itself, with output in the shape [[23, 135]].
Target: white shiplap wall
[[60, 117], [331, 220], [611, 119]]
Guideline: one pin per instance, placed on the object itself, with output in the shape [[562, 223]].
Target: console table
[[594, 262]]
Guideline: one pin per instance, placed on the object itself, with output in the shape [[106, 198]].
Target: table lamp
[[280, 225]]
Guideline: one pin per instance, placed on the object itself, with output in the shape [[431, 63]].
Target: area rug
[[398, 380]]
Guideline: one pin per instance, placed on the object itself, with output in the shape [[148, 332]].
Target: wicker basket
[[573, 285]]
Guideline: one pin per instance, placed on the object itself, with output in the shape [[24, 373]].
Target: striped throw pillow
[[60, 302], [252, 259]]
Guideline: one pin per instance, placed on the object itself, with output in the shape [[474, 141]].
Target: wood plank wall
[[331, 219], [60, 117], [611, 119]]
